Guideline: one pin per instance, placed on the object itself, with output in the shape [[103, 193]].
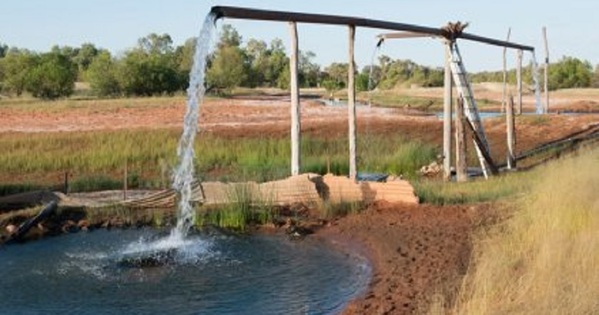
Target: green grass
[[505, 186], [392, 98], [242, 210], [96, 160]]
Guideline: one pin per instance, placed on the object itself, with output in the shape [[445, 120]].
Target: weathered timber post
[[546, 74], [66, 183], [351, 106], [511, 134], [125, 182], [460, 141], [519, 81], [504, 93], [447, 113], [295, 106]]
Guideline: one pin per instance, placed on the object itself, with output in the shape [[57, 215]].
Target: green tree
[[16, 66], [309, 71], [184, 58], [53, 77], [337, 72], [102, 75], [570, 72], [227, 70], [229, 37], [257, 54], [595, 79], [277, 63], [3, 50], [84, 57], [151, 68]]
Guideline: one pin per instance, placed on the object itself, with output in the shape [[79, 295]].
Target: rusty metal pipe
[[283, 16]]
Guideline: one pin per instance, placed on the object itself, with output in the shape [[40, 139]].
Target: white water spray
[[537, 85], [183, 176]]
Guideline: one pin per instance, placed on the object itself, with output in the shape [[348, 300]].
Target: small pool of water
[[216, 274]]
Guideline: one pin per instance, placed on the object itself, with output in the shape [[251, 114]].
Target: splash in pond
[[209, 274]]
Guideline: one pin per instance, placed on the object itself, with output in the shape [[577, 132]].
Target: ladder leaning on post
[[470, 110]]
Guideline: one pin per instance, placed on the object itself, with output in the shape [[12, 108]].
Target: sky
[[117, 24]]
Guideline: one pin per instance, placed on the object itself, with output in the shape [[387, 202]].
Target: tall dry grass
[[545, 258]]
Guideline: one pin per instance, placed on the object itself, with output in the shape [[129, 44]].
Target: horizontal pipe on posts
[[283, 16]]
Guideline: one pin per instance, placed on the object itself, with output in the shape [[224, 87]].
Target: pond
[[209, 274]]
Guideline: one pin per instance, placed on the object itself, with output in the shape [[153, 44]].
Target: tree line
[[155, 66]]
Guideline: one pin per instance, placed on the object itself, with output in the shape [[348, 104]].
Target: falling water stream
[[537, 86], [184, 173]]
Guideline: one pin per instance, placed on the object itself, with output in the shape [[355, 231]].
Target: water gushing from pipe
[[371, 72], [183, 176], [537, 85]]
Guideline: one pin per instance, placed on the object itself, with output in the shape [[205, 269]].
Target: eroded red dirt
[[417, 251]]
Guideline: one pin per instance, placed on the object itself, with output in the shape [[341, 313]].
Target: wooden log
[[351, 106], [461, 166], [519, 82], [125, 181], [295, 106], [511, 135], [504, 90], [447, 113]]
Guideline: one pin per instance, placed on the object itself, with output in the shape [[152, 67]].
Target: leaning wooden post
[[351, 106], [447, 104], [511, 135], [546, 74], [295, 106], [460, 140], [519, 81], [504, 93]]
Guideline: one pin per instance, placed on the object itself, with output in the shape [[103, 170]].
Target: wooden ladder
[[471, 111]]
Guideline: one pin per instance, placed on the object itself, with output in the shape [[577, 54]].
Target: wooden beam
[[511, 134], [283, 16], [447, 113], [504, 90], [351, 106], [519, 82], [295, 105], [461, 167]]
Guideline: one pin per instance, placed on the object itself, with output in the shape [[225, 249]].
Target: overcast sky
[[117, 24]]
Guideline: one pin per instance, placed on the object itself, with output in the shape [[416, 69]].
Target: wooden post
[[519, 81], [511, 135], [546, 74], [295, 106], [504, 93], [447, 113], [351, 106], [66, 183], [460, 141], [125, 175]]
